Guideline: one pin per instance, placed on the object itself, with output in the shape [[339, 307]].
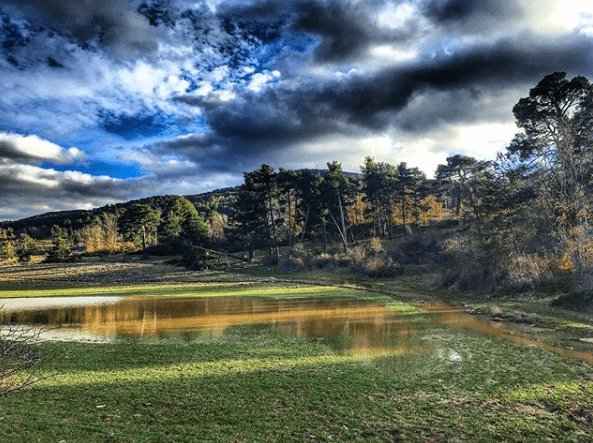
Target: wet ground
[[531, 322]]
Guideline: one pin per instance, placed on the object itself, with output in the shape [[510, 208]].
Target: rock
[[495, 310]]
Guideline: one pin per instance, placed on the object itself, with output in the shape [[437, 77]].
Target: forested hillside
[[520, 221]]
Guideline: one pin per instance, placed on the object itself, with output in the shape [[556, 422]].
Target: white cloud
[[153, 82], [35, 148], [219, 74], [221, 96], [396, 15], [50, 178], [556, 17], [259, 80], [350, 151], [33, 175], [384, 55], [482, 141], [204, 89]]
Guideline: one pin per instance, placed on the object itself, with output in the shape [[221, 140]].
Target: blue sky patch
[[97, 168]]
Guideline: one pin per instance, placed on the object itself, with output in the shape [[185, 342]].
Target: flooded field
[[145, 351], [347, 325]]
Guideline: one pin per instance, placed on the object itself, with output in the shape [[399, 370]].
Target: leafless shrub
[[296, 258], [377, 265], [19, 357]]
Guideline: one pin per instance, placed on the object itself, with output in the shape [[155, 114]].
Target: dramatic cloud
[[454, 89], [112, 24], [103, 101]]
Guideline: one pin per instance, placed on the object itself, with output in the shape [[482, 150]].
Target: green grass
[[188, 290], [253, 384]]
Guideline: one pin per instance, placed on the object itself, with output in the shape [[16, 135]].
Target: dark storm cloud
[[98, 189], [455, 11], [344, 29], [113, 24], [12, 35], [157, 12], [492, 68], [282, 116], [259, 124]]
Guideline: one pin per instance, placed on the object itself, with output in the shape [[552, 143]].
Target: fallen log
[[223, 254]]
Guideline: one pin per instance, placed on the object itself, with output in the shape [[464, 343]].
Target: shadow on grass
[[309, 394]]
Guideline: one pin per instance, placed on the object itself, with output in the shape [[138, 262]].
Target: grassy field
[[253, 384]]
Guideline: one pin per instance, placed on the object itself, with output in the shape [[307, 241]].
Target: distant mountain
[[39, 226]]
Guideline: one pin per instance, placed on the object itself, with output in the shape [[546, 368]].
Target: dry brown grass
[[376, 245], [357, 254]]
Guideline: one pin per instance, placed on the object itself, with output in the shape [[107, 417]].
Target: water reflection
[[349, 326]]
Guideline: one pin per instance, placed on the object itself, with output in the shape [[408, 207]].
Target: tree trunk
[[343, 230], [143, 236], [305, 226], [275, 249]]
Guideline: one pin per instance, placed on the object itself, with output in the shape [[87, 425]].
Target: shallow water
[[347, 325]]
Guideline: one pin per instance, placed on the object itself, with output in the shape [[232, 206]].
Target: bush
[[531, 270], [376, 245], [357, 254], [296, 259], [377, 265], [59, 252], [469, 266], [417, 250], [7, 252]]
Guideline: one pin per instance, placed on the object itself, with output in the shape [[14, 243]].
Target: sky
[[104, 101]]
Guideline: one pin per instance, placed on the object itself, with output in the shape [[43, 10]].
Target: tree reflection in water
[[347, 325]]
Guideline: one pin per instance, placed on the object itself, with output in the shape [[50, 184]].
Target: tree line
[[526, 212]]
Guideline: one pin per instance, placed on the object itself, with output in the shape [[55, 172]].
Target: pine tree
[[257, 209], [60, 250]]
